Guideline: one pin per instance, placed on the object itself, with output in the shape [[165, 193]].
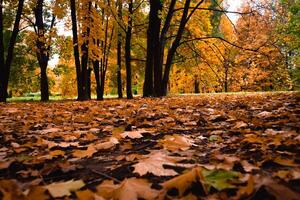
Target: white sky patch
[[233, 5]]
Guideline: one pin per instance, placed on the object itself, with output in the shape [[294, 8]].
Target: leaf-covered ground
[[194, 147]]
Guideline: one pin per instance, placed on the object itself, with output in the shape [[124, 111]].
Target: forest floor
[[230, 146]]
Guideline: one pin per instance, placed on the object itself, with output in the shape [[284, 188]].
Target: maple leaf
[[88, 195], [132, 189], [175, 142], [10, 190], [64, 189], [37, 193], [107, 145], [153, 163], [183, 182], [218, 179], [84, 153], [133, 134]]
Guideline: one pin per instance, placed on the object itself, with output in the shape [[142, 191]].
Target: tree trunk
[[226, 78], [119, 52], [88, 89], [196, 84], [127, 51], [174, 46], [5, 65], [42, 50], [148, 89], [85, 59], [44, 84], [76, 51], [96, 65], [158, 51]]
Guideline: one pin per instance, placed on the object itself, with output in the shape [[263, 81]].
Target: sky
[[233, 5]]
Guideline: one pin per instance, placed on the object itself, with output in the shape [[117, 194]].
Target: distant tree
[[6, 60]]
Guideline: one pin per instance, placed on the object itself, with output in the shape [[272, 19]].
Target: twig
[[105, 175]]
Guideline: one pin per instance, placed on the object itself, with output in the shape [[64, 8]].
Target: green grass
[[113, 96], [33, 98]]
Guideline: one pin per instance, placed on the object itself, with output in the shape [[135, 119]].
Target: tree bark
[[128, 51], [42, 50], [44, 84], [157, 50], [5, 65], [196, 86], [76, 51], [96, 66], [119, 52], [148, 89], [174, 46]]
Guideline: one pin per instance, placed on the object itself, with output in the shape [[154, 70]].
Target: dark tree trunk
[[96, 65], [148, 89], [196, 86], [119, 52], [88, 89], [157, 50], [44, 84], [85, 59], [5, 65], [76, 51], [42, 49], [127, 51], [174, 46], [226, 77]]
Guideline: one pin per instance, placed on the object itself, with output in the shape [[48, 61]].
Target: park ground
[[221, 146]]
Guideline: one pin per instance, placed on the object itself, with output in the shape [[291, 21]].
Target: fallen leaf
[[133, 134], [184, 181], [64, 189], [84, 153], [132, 189], [10, 190], [175, 142], [154, 164], [37, 193], [87, 195], [5, 164]]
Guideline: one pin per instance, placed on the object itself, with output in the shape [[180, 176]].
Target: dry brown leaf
[[247, 166], [37, 193], [175, 142], [278, 190], [5, 164], [56, 153], [10, 190], [106, 145], [87, 195], [132, 189], [64, 188], [84, 153], [286, 162], [182, 182], [133, 134], [154, 162], [246, 190]]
